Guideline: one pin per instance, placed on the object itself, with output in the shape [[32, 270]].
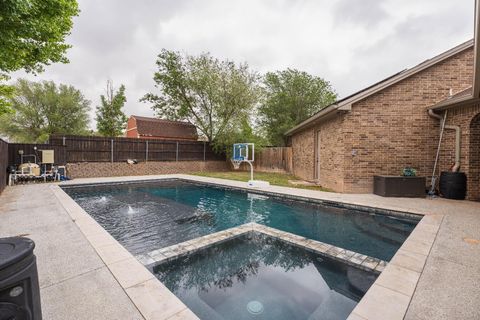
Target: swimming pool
[[259, 277], [148, 215]]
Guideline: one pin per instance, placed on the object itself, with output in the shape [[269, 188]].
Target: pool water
[[151, 215], [259, 277]]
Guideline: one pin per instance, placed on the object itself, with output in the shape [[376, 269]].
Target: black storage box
[[399, 186]]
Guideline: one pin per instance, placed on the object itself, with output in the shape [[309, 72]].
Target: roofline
[[319, 115], [455, 102], [148, 136], [144, 118], [346, 104]]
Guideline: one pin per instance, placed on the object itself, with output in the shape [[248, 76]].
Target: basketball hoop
[[236, 163], [243, 152]]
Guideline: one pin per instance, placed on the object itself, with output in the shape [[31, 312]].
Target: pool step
[[349, 257], [179, 250]]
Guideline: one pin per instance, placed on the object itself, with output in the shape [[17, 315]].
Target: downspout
[[456, 166], [434, 178]]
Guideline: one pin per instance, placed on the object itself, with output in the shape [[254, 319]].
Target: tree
[[216, 96], [6, 94], [242, 132], [33, 33], [291, 96], [43, 108], [109, 116]]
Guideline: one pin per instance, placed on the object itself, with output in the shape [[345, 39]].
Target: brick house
[[396, 123], [154, 128]]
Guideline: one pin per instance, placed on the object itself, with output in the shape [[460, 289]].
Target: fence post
[[176, 154], [111, 151], [63, 140], [204, 147], [146, 150]]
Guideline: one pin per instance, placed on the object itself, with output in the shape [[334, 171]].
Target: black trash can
[[453, 185], [19, 291]]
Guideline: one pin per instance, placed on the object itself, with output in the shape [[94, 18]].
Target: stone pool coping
[[150, 296], [175, 251], [388, 298], [390, 295], [265, 191]]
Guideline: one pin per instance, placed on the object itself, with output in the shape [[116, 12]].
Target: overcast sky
[[351, 43]]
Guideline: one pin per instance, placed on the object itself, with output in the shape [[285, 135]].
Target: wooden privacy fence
[[272, 159], [3, 164], [101, 149], [32, 153]]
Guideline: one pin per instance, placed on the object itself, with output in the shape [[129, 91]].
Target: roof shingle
[[161, 128]]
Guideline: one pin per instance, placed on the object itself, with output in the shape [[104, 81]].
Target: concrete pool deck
[[78, 281]]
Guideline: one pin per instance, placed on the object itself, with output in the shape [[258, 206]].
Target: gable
[[345, 104]]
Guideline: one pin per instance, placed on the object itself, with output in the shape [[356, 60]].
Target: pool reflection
[[283, 281]]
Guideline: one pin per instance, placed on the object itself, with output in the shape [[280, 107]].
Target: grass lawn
[[278, 179]]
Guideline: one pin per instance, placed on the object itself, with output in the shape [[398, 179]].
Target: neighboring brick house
[[386, 127], [154, 128]]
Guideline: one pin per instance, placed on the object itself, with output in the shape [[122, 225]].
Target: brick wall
[[392, 129], [130, 131], [473, 187], [328, 169], [303, 146], [468, 119], [108, 169], [331, 157], [385, 132]]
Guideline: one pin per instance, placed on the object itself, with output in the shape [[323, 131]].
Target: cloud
[[417, 33], [368, 13], [351, 43]]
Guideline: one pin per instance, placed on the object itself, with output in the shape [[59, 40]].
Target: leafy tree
[[33, 33], [291, 96], [216, 96], [241, 132], [110, 117], [43, 108], [6, 94]]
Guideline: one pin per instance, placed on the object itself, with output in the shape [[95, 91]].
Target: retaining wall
[[115, 169]]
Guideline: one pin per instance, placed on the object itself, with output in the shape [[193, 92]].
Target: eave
[[346, 103], [325, 113], [455, 103], [474, 96]]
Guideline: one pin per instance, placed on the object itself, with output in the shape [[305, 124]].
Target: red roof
[[161, 128]]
